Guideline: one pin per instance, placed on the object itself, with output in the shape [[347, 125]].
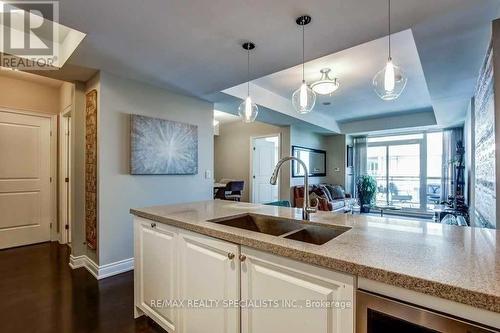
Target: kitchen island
[[448, 269]]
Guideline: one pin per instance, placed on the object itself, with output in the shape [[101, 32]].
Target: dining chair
[[232, 191]]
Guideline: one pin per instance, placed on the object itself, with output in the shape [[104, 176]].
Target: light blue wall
[[118, 190]]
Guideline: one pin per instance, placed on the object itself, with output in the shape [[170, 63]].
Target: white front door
[[264, 158], [24, 179]]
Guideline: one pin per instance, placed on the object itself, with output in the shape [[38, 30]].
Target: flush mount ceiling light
[[390, 82], [304, 98], [325, 85], [248, 110]]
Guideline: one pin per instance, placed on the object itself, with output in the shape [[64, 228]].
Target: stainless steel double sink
[[290, 229]]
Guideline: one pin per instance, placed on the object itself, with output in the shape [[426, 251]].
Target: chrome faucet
[[306, 208]]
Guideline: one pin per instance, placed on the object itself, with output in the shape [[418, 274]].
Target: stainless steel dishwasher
[[379, 314]]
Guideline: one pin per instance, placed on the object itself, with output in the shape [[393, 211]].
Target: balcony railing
[[404, 191]]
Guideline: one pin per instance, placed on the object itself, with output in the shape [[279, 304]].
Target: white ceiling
[[355, 68], [452, 50], [193, 46], [224, 118], [19, 75], [441, 57]]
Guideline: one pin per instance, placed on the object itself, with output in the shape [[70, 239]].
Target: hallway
[[41, 293]]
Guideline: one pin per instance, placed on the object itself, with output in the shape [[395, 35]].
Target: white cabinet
[[155, 271], [182, 267], [209, 269], [303, 296], [177, 265]]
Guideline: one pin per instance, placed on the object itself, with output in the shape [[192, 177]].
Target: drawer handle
[[153, 225], [230, 255], [243, 257]]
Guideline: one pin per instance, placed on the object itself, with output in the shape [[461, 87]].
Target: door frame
[[54, 226], [64, 211], [250, 176]]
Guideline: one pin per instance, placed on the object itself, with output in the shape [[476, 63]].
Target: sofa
[[326, 197]]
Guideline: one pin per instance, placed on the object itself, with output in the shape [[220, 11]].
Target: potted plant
[[366, 187]]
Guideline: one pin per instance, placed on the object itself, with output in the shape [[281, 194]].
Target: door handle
[[243, 257], [230, 255]]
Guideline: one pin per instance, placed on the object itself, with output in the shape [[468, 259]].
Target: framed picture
[[162, 147], [315, 160]]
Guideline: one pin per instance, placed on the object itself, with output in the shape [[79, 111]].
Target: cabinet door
[[292, 287], [155, 276], [209, 271]]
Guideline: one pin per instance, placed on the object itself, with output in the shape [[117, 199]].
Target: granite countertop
[[460, 264]]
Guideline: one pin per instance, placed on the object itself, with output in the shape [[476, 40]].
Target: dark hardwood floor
[[40, 293]]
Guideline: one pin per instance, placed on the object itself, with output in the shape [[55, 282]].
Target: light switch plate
[[208, 174]]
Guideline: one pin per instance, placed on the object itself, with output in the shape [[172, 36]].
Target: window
[[377, 168], [434, 168], [407, 169]]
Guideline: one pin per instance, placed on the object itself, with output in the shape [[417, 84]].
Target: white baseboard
[[103, 271], [115, 268]]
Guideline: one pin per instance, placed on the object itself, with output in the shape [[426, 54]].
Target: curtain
[[360, 159], [450, 139]]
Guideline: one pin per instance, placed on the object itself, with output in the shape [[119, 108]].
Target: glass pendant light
[[389, 82], [248, 110], [304, 98]]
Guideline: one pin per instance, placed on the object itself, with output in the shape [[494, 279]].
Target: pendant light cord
[[248, 70], [303, 50], [389, 16]]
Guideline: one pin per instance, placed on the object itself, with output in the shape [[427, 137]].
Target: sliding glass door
[[404, 181], [400, 166], [377, 168]]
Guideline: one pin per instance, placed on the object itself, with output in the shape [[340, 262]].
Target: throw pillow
[[327, 192], [330, 190], [320, 192], [336, 191]]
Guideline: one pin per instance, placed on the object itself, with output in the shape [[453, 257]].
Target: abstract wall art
[[162, 147], [485, 175]]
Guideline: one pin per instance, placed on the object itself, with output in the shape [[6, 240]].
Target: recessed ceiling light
[[326, 85]]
